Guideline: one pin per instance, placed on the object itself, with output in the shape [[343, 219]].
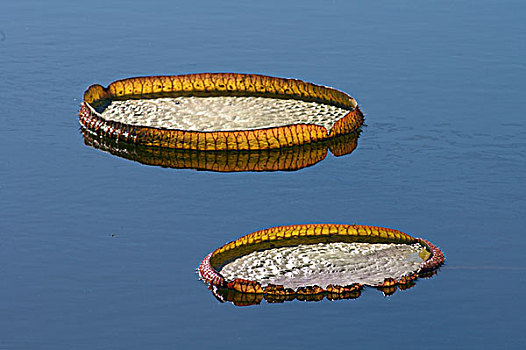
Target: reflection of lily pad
[[324, 260], [218, 111], [246, 299], [288, 158]]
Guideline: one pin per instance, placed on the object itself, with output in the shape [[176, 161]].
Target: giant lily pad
[[218, 111], [317, 260]]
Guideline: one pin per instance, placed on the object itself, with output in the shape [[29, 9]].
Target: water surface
[[98, 251]]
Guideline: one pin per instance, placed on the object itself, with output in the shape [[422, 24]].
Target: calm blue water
[[443, 156]]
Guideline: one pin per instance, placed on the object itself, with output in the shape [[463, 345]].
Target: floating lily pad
[[218, 111], [318, 260]]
